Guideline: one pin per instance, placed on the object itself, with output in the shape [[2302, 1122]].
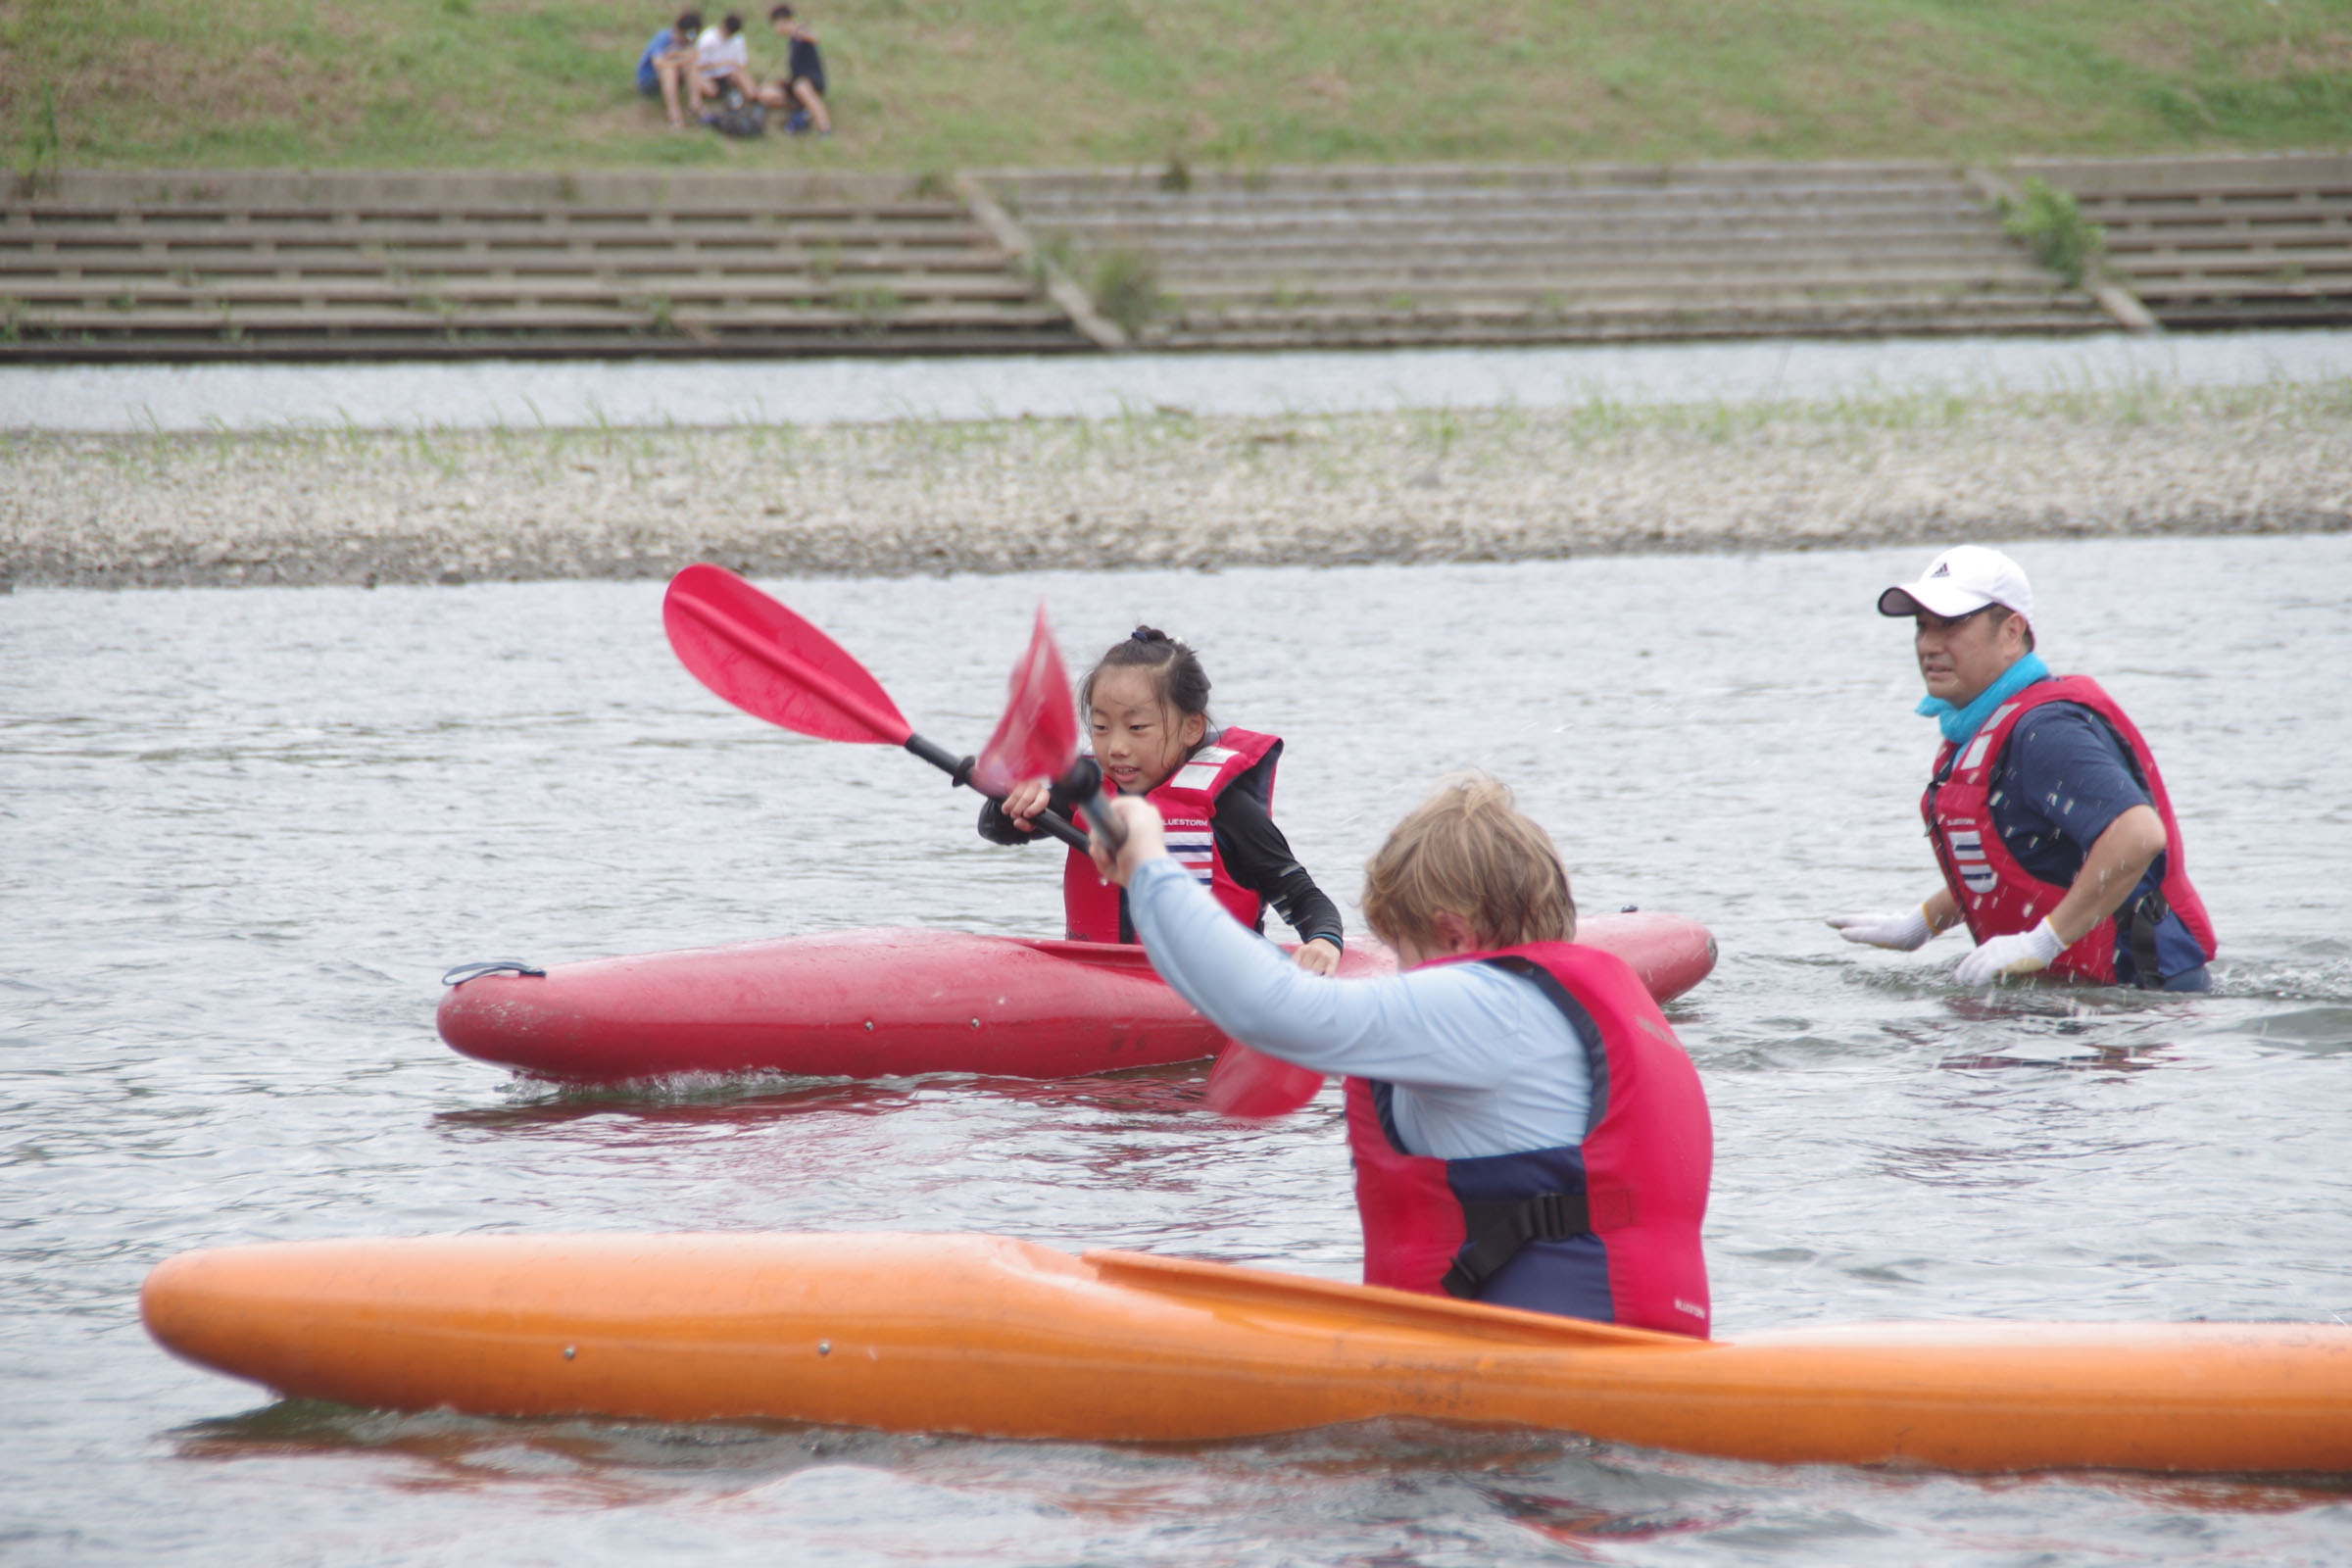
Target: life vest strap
[[1497, 1232]]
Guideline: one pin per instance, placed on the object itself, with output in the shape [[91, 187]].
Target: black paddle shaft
[[959, 772]]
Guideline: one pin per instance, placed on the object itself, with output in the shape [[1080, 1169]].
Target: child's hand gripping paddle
[[1037, 738], [769, 662]]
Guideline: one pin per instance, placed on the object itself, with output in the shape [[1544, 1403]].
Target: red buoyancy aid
[[1996, 895], [1607, 1229], [1187, 802]]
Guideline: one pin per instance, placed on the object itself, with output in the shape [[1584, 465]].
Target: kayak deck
[[995, 1337]]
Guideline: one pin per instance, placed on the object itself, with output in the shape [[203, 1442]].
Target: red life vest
[[1605, 1230], [1997, 896], [1187, 801]]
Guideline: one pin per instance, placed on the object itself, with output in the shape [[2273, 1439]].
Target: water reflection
[[601, 1463], [719, 1099]]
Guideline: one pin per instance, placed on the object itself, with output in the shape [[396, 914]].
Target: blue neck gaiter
[[1959, 724]]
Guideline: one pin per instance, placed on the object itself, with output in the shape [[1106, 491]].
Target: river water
[[488, 394], [241, 833]]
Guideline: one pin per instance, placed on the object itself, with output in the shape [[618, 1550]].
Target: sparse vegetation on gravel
[[1169, 489]]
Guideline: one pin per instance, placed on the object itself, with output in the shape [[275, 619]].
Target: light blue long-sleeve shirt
[[1482, 1062]]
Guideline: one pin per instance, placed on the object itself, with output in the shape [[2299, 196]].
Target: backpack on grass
[[739, 117]]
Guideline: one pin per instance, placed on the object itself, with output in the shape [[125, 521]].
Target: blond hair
[[1468, 852]]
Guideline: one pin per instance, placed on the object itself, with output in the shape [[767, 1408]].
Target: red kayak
[[880, 1004]]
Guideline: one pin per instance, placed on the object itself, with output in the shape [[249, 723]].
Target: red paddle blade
[[1038, 736], [1250, 1083], [771, 663]]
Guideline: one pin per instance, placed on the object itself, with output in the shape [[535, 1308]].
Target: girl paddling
[[1525, 1127], [1145, 702]]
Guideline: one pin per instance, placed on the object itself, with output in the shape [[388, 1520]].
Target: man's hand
[[1145, 839], [1319, 957], [1906, 932], [1024, 801], [2022, 953]]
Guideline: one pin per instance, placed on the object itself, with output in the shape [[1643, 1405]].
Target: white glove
[[1906, 932], [2022, 953]]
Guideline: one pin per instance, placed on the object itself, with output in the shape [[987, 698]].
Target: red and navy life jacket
[[1187, 802], [1997, 896], [1606, 1230]]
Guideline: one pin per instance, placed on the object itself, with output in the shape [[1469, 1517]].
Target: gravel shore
[[1168, 489]]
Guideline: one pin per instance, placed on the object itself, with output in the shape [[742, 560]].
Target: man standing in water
[[2050, 822]]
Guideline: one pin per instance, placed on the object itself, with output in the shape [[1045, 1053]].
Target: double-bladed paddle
[[752, 651], [757, 654]]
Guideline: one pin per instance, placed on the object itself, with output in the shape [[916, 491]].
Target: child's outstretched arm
[[1259, 858]]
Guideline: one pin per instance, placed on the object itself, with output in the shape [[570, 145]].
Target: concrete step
[[1947, 209], [1403, 294], [843, 234], [519, 262], [326, 292], [309, 347], [1666, 327], [1538, 273]]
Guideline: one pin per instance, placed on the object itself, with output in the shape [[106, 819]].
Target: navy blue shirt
[[2060, 782], [648, 80]]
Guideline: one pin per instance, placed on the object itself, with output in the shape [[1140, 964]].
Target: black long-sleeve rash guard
[[1252, 847]]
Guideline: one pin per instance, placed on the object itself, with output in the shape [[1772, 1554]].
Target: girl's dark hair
[[1176, 672]]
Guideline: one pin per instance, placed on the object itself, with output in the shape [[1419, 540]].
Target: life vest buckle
[[1496, 1232]]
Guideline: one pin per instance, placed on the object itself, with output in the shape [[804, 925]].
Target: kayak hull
[[995, 1337], [874, 1004]]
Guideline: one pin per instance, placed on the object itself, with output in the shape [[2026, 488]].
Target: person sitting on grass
[[1527, 1130], [802, 87], [723, 61], [666, 67]]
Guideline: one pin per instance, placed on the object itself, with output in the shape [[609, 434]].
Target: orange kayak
[[995, 1337]]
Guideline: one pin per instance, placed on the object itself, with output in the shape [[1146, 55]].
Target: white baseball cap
[[1962, 581]]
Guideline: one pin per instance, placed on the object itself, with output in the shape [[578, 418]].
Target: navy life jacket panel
[[1607, 1229]]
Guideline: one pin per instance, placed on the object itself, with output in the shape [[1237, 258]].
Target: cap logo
[[1943, 568]]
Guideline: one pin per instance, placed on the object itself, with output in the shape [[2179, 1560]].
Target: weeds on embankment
[[2049, 223]]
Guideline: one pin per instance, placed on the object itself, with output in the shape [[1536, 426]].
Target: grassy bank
[[925, 84]]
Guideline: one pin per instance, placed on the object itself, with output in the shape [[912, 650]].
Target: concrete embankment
[[1170, 490], [126, 266]]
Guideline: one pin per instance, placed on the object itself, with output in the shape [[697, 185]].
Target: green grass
[[1183, 85]]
